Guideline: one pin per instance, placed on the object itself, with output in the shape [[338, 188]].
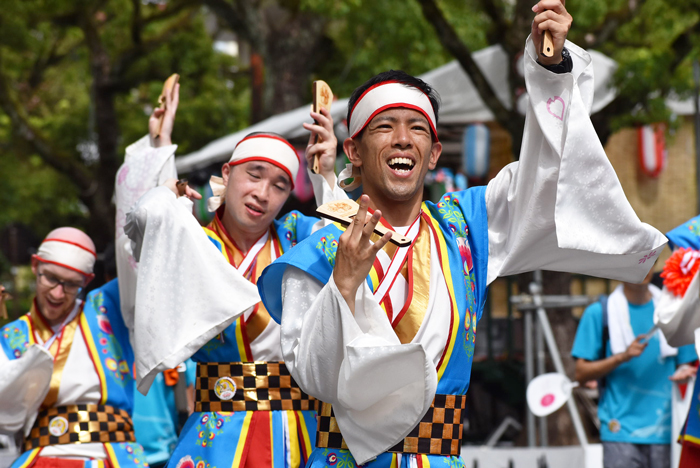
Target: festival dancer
[[67, 379], [384, 336], [678, 317], [248, 410]]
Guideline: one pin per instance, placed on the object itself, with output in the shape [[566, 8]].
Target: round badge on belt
[[614, 426], [225, 388], [58, 426]]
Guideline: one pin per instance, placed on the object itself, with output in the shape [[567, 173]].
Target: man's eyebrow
[[380, 118]]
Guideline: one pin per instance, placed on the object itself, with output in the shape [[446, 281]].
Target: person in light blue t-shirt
[[635, 402], [156, 418]]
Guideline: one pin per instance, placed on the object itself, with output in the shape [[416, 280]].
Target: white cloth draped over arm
[[380, 387], [144, 167], [24, 383], [561, 207], [187, 292], [679, 318]]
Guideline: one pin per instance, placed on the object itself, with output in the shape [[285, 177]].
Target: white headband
[[67, 254], [388, 95], [269, 148]]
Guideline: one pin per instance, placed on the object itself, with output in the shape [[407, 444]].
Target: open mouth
[[401, 165], [254, 209]]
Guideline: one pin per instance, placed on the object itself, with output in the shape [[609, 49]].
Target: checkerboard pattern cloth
[[86, 423], [438, 433], [260, 386]]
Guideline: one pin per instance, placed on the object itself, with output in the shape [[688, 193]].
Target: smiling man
[[65, 365], [248, 411], [384, 336]]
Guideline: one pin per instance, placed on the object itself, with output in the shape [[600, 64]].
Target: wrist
[[164, 140]]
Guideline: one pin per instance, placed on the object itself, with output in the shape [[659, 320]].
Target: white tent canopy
[[460, 104]]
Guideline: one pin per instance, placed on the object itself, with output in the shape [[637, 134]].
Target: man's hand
[[190, 193], [635, 349], [325, 147], [355, 254], [172, 98], [551, 15], [683, 373]]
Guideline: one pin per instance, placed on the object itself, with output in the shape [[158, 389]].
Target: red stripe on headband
[[42, 260], [272, 137], [72, 243], [402, 105], [268, 160]]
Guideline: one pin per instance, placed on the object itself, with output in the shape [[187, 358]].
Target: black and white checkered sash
[[438, 433], [248, 386], [80, 424]]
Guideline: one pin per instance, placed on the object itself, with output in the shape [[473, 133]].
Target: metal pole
[[536, 291], [541, 360], [529, 375], [696, 76]]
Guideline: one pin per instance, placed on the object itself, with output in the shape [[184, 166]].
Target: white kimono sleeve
[[561, 207], [186, 293], [380, 387], [24, 383], [144, 167]]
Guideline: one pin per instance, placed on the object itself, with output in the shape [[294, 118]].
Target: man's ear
[[225, 172], [351, 149], [435, 153], [35, 264]]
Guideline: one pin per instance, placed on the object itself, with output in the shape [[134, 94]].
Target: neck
[[397, 213], [637, 294], [244, 240]]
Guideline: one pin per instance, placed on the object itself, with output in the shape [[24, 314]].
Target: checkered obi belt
[[248, 386], [438, 433], [80, 424]]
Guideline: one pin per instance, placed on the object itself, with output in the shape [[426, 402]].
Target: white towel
[[620, 327]]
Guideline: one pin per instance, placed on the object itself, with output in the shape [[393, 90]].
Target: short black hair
[[401, 77]]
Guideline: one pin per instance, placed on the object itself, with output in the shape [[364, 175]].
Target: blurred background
[[79, 78]]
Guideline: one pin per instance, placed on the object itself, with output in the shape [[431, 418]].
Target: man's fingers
[[192, 193], [359, 220], [554, 5], [379, 245], [174, 98], [323, 118], [552, 26], [368, 229]]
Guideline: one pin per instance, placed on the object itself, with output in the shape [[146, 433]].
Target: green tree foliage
[[77, 82]]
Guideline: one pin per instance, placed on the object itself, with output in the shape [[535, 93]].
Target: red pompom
[[680, 269]]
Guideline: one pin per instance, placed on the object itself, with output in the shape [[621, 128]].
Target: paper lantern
[[476, 148], [652, 149]]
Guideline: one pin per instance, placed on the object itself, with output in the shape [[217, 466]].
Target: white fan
[[547, 393]]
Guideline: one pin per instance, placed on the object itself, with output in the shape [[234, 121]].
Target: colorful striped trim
[[30, 459], [94, 356], [111, 455], [444, 263], [240, 445], [30, 329]]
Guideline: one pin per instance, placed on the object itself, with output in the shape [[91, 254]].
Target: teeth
[[406, 161]]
